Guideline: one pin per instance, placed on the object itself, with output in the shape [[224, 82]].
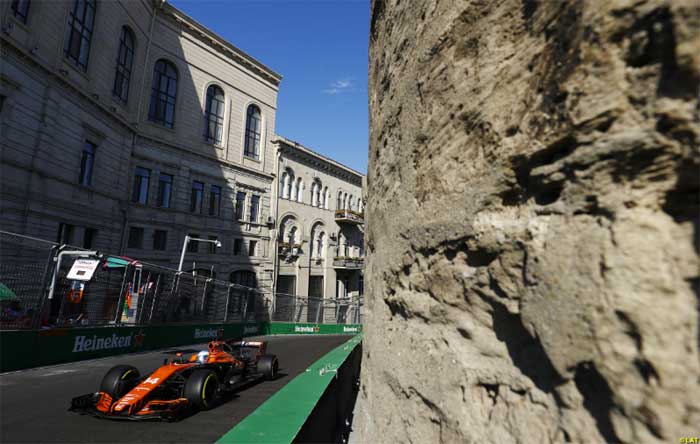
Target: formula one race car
[[181, 385]]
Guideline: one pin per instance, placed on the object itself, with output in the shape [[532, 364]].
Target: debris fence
[[35, 292]]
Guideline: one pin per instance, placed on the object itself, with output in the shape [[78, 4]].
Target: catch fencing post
[[36, 322], [228, 301], [204, 294], [122, 296], [155, 299]]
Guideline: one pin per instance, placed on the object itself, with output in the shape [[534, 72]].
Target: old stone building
[[320, 222], [126, 125]]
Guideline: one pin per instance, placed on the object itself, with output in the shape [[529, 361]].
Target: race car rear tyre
[[119, 380], [200, 389], [268, 366]]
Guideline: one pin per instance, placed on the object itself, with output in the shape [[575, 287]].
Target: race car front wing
[[98, 405]]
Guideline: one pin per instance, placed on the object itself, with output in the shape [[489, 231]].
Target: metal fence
[[293, 308], [36, 293]]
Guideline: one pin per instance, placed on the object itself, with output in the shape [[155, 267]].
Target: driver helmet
[[202, 356]]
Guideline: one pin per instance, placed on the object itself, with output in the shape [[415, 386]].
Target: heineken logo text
[[82, 343]]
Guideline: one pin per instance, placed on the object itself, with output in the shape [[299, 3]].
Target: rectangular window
[[87, 163], [237, 245], [314, 311], [286, 284], [65, 234], [135, 237], [160, 240], [240, 205], [89, 236], [165, 188], [214, 200], [79, 32], [212, 245], [142, 179], [20, 8], [197, 197], [254, 208], [251, 248], [193, 246]]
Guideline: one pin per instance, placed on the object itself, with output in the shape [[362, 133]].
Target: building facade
[[320, 230], [126, 125]]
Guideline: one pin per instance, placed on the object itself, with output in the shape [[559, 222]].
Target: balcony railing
[[287, 249], [349, 262], [349, 216]]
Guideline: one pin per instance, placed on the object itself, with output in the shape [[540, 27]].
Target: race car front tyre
[[268, 366], [119, 380], [200, 389]]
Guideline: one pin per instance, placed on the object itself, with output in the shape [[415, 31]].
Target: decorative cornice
[[319, 161], [220, 44]]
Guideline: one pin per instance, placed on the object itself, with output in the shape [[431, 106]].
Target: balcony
[[289, 250], [349, 217], [351, 263]]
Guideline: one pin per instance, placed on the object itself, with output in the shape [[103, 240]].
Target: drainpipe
[[275, 240], [158, 5]]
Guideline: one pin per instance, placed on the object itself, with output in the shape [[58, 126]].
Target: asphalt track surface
[[34, 403]]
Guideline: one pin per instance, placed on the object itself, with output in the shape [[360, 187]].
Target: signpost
[[83, 269]]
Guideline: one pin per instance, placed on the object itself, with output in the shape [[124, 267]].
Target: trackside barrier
[[20, 349], [300, 410]]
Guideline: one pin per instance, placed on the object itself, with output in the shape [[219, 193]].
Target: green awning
[[6, 294], [117, 262]]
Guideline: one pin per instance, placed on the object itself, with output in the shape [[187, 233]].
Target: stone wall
[[532, 222]]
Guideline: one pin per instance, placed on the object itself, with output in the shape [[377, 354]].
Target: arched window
[[317, 240], [288, 185], [253, 131], [125, 61], [320, 244], [163, 93], [342, 245], [79, 35], [345, 201], [340, 201], [284, 179], [214, 115], [327, 200], [321, 197], [292, 236], [300, 190], [317, 194]]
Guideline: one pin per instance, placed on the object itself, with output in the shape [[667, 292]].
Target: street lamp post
[[184, 247]]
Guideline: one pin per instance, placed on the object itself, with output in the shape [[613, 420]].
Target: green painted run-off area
[[281, 417]]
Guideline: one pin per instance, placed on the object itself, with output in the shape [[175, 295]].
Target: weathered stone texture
[[533, 222]]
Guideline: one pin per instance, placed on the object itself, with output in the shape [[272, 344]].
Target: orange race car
[[181, 385]]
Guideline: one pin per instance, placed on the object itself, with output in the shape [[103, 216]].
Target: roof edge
[[216, 39], [307, 150]]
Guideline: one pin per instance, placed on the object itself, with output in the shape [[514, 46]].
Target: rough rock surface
[[533, 222]]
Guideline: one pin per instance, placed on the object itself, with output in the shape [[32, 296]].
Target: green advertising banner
[[283, 328], [24, 349]]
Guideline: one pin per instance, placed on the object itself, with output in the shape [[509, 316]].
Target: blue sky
[[320, 48]]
